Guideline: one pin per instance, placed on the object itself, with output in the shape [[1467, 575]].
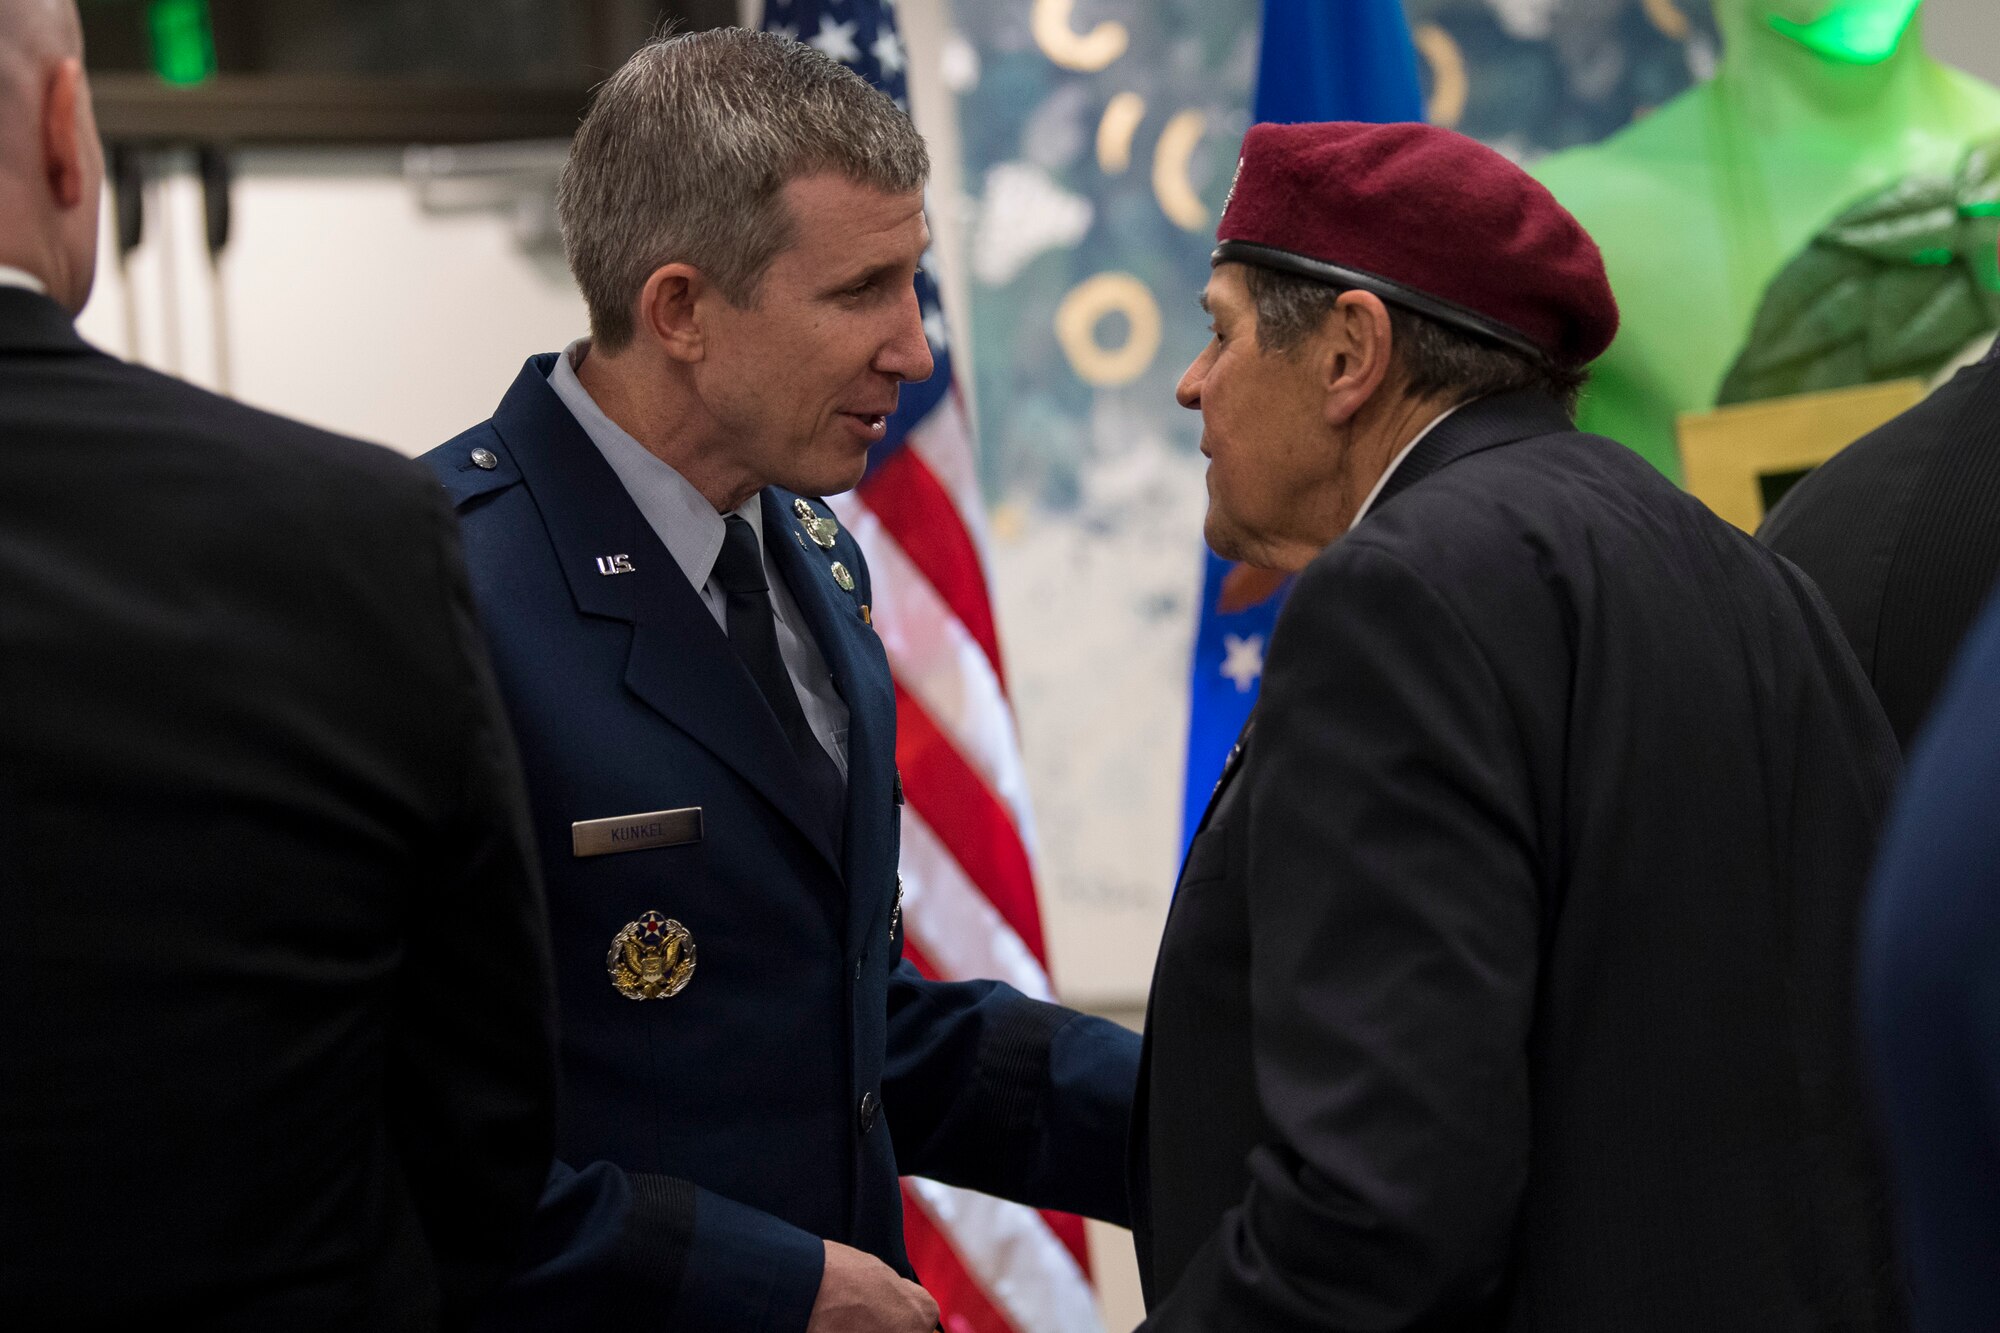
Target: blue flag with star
[[1350, 60]]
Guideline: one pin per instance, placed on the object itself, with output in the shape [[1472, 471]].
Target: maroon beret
[[1426, 219]]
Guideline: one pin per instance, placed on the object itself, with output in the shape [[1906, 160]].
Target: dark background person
[[1901, 531], [1508, 980], [276, 1021], [683, 636], [1931, 992]]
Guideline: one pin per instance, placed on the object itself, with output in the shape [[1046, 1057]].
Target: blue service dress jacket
[[710, 1139]]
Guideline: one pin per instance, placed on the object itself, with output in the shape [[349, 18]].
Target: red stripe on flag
[[920, 514], [1069, 1230], [1067, 1227], [963, 1305], [968, 819]]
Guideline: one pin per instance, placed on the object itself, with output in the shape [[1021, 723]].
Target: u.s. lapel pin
[[821, 529], [615, 564]]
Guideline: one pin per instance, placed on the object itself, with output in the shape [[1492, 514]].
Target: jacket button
[[483, 458], [869, 1106]]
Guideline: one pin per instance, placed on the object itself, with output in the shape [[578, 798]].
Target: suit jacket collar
[[1485, 424], [680, 664], [31, 322], [586, 510]]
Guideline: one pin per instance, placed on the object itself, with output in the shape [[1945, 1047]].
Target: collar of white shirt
[[686, 523], [14, 277], [1397, 462]]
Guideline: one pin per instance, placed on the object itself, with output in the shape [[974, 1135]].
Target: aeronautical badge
[[651, 959], [821, 529]]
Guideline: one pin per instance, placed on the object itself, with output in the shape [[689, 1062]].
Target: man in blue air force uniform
[[708, 726]]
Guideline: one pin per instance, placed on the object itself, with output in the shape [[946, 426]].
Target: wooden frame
[[311, 109], [317, 109], [1730, 456]]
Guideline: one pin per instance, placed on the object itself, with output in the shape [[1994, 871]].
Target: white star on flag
[[888, 50], [1245, 661], [788, 31], [836, 40], [934, 328]]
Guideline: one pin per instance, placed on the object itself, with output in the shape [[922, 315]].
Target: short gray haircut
[[1437, 360], [684, 152]]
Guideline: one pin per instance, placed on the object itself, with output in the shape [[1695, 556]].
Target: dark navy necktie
[[753, 632]]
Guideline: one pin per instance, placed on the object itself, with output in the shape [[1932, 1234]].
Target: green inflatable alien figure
[[1820, 214]]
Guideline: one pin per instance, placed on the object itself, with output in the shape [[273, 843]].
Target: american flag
[[968, 868]]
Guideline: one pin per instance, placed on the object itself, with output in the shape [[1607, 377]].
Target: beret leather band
[[1318, 270]]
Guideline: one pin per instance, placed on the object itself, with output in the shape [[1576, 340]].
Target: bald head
[[34, 34], [51, 165]]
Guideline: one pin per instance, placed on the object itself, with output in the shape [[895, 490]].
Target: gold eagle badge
[[651, 959]]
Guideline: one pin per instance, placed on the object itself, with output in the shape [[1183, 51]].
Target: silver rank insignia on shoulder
[[842, 577], [651, 959], [615, 564], [821, 529]]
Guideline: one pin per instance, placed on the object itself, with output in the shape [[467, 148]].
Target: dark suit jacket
[[1507, 985], [710, 1140], [275, 1007], [1931, 960], [1901, 531]]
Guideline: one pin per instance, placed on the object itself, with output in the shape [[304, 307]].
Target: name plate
[[634, 833]]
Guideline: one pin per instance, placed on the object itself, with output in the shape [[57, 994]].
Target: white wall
[[1966, 33], [342, 300]]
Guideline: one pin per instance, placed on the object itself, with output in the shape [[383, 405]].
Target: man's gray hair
[[686, 148], [1437, 361]]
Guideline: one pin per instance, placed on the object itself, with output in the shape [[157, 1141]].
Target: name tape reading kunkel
[[632, 833]]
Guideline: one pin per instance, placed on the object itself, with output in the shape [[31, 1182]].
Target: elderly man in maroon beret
[[1508, 981]]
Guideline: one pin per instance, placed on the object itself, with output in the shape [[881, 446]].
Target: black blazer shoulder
[[252, 759], [1901, 531], [1510, 478]]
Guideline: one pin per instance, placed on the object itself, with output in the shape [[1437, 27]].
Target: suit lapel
[[680, 663], [1230, 768], [859, 667]]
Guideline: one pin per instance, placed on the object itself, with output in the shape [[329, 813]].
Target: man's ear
[[1356, 354], [63, 154], [670, 310]]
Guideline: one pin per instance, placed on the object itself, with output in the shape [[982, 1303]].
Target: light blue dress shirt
[[692, 531]]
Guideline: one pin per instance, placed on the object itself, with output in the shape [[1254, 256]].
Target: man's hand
[[860, 1294]]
